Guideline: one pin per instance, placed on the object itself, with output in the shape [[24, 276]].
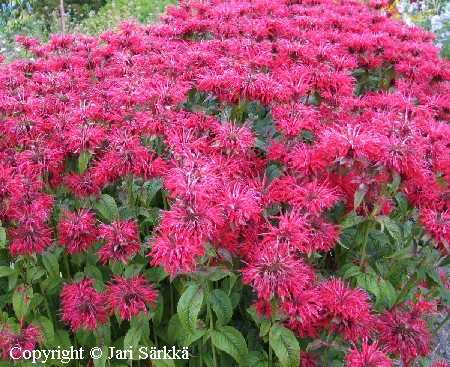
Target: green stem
[[154, 334], [66, 264], [367, 228], [172, 304], [165, 205], [27, 264], [270, 356], [211, 324], [200, 353], [46, 305], [441, 325], [159, 146], [410, 283]]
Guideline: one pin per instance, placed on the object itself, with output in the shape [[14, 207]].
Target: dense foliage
[[262, 182]]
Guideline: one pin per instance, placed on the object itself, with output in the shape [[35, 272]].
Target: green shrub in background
[[433, 15], [116, 11], [40, 18]]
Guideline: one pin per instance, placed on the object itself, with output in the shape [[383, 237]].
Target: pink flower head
[[272, 274], [129, 296], [14, 344], [348, 310], [404, 331], [82, 306], [369, 356], [176, 253], [122, 241], [77, 231]]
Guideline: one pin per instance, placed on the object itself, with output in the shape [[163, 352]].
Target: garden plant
[[254, 183]]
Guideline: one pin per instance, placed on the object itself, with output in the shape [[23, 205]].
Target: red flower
[[77, 231], [122, 241], [308, 359], [129, 296], [347, 310], [175, 253], [14, 344], [438, 225], [82, 186], [303, 312], [32, 237], [404, 331], [272, 274], [82, 306], [370, 356]]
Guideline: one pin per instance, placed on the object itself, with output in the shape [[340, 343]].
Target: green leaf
[[351, 220], [47, 331], [132, 338], [369, 281], [152, 188], [265, 327], [62, 339], [387, 290], [392, 227], [174, 329], [256, 359], [163, 363], [101, 362], [189, 306], [231, 341], [187, 338], [83, 160], [352, 271], [221, 305], [6, 271], [285, 345], [434, 275], [359, 196], [50, 262], [2, 237], [107, 207], [20, 301]]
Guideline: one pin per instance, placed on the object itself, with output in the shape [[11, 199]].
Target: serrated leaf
[[187, 338], [256, 359], [387, 290], [20, 301], [351, 220], [264, 328], [132, 338], [285, 345], [101, 362], [231, 341], [152, 188], [434, 275], [189, 306], [369, 281], [221, 305], [62, 339], [6, 271], [352, 271], [107, 207], [83, 160], [392, 227], [174, 328], [359, 196], [50, 262], [47, 331]]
